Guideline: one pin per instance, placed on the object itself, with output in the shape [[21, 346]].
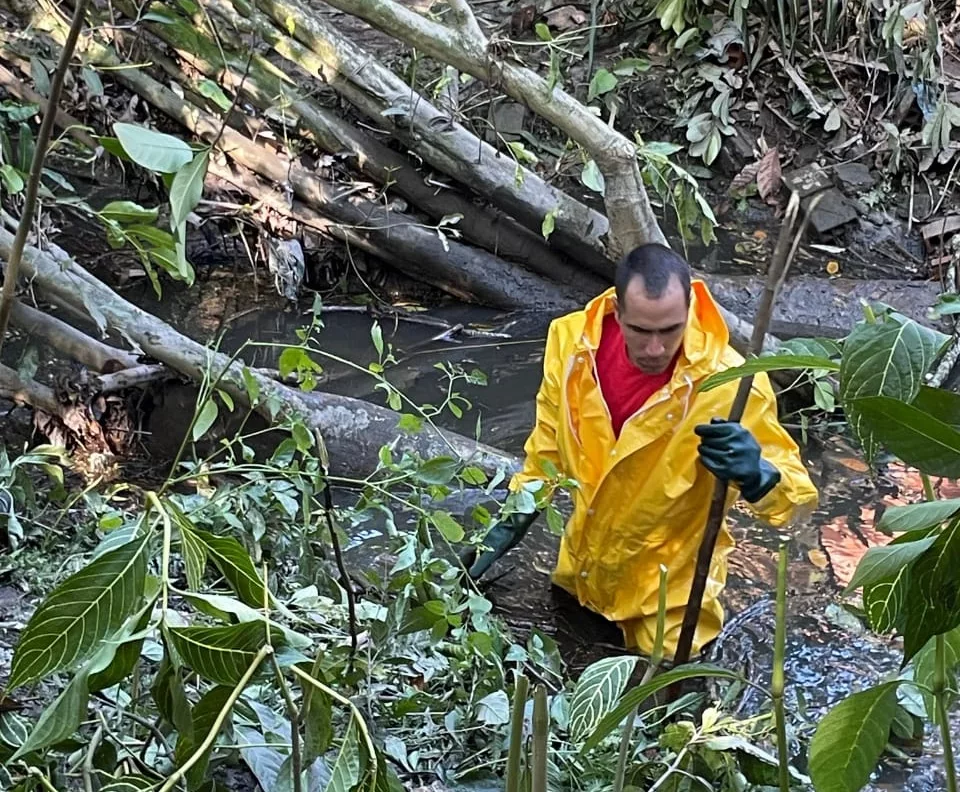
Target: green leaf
[[884, 563], [630, 700], [449, 528], [155, 151], [439, 470], [815, 347], [128, 212], [849, 740], [130, 783], [376, 335], [210, 90], [768, 363], [597, 690], [933, 596], [346, 769], [883, 602], [92, 81], [592, 178], [409, 423], [918, 516], [494, 709], [235, 565], [170, 696], [602, 82], [208, 414], [924, 668], [473, 476], [917, 438], [82, 611], [318, 725], [119, 654], [549, 224], [12, 179], [222, 654], [204, 716], [41, 80], [59, 720], [194, 555], [296, 359], [251, 385], [187, 188], [884, 358], [942, 403]]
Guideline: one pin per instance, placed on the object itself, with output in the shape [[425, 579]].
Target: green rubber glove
[[732, 453], [501, 538]]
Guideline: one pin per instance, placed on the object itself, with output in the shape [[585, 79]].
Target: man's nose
[[654, 346]]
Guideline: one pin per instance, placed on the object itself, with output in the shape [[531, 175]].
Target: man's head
[[653, 297]]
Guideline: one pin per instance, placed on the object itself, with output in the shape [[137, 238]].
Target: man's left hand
[[729, 451]]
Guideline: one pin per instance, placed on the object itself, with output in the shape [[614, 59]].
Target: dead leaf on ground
[[566, 17], [818, 558], [768, 176], [746, 177]]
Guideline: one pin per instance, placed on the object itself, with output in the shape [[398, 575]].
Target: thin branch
[[36, 169], [341, 567], [29, 392]]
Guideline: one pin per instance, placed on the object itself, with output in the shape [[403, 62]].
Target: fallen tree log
[[465, 272], [259, 82], [353, 430], [385, 99]]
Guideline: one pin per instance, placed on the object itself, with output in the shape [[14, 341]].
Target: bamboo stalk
[[777, 679], [521, 687], [541, 725], [777, 271], [36, 168]]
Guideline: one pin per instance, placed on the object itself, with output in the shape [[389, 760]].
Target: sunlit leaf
[[155, 151], [449, 528], [630, 700], [602, 82], [187, 188], [918, 516], [768, 363], [494, 709], [222, 654], [208, 414], [82, 611], [210, 90], [849, 740], [592, 178], [597, 690], [439, 470], [884, 563]]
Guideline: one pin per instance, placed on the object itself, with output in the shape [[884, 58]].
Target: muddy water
[[829, 653]]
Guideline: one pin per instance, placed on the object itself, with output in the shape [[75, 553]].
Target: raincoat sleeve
[[542, 444], [795, 496]]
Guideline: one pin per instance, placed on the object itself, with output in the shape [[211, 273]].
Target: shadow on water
[[830, 654]]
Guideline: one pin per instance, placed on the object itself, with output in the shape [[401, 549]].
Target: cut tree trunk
[[353, 430], [258, 80], [467, 273]]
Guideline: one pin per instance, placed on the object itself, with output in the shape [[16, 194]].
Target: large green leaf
[[222, 654], [194, 555], [885, 358], [939, 402], [204, 717], [634, 697], [883, 602], [59, 720], [850, 738], [318, 725], [130, 783], [933, 596], [128, 212], [769, 363], [880, 564], [917, 438], [187, 188], [597, 690], [155, 151], [918, 516], [82, 611], [924, 669], [346, 770], [170, 696], [235, 565], [128, 644]]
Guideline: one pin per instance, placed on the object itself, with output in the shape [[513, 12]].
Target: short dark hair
[[655, 265]]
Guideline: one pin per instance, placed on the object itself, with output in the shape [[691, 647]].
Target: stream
[[829, 653]]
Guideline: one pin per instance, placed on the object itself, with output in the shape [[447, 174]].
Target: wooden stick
[[776, 273]]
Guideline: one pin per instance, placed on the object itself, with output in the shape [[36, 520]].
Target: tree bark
[[262, 85]]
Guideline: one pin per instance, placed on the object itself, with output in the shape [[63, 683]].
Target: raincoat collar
[[704, 341]]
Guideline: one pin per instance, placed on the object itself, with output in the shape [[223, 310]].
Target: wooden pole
[[787, 244]]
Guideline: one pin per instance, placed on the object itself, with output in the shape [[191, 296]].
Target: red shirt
[[625, 388]]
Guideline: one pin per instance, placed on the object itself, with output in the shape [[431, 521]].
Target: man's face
[[652, 328]]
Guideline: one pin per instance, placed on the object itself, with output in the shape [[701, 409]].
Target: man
[[619, 411]]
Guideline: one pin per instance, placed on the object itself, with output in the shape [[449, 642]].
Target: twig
[[88, 768], [202, 749], [777, 679], [779, 266], [36, 168]]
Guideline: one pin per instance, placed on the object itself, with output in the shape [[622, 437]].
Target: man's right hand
[[501, 538]]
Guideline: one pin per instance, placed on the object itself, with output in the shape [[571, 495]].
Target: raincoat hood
[[642, 498]]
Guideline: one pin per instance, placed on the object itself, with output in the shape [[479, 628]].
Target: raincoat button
[[590, 512], [614, 452], [583, 574], [669, 416]]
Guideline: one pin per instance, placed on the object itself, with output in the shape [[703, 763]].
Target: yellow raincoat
[[643, 498]]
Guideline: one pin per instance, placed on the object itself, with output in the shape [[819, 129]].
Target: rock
[[834, 210], [854, 174]]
